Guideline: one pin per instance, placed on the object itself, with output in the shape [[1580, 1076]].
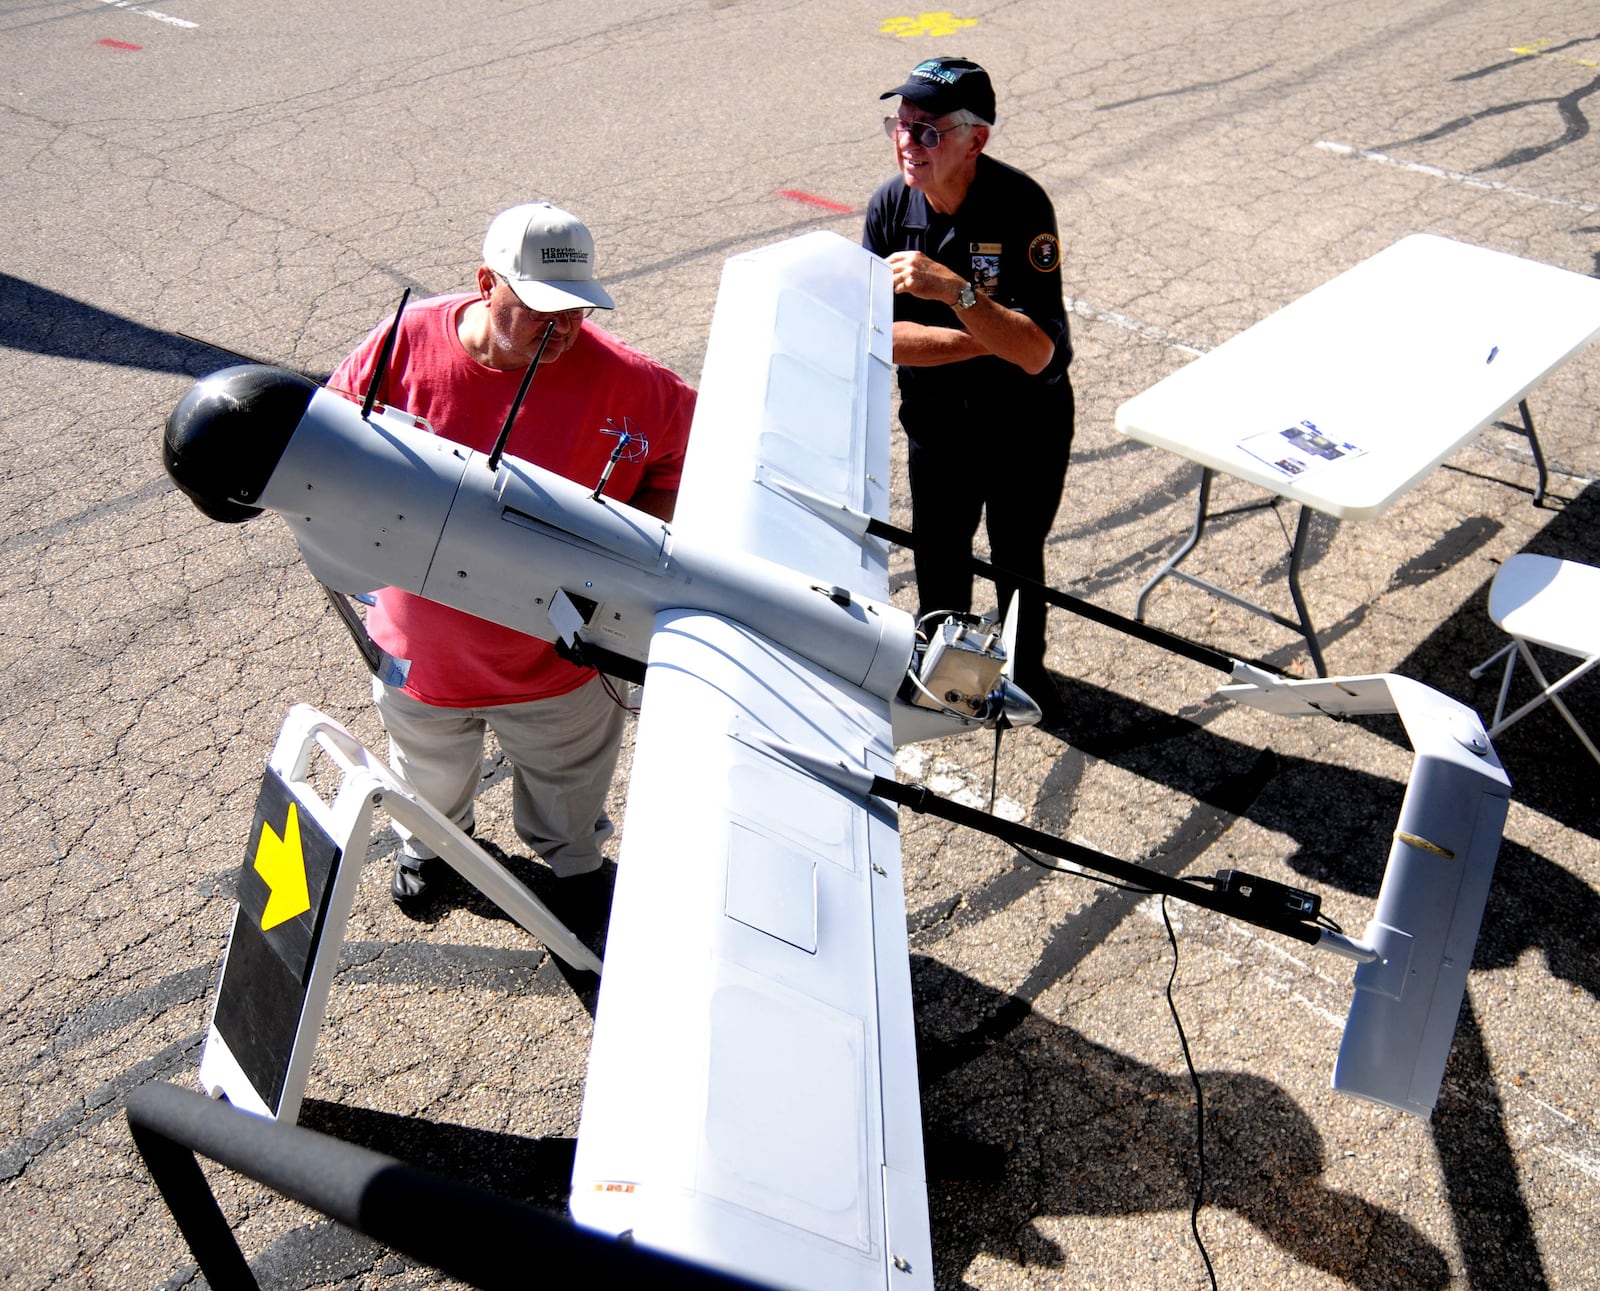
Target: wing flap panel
[[754, 1014], [772, 888], [795, 390]]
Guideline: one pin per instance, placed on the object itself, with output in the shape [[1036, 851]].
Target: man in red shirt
[[458, 361]]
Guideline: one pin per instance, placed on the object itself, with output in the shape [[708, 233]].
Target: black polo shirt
[[1003, 240]]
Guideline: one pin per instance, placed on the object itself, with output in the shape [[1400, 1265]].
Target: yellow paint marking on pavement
[[282, 863], [1536, 49], [926, 24]]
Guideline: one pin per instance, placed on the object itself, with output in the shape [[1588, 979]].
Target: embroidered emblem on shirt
[[1044, 253], [985, 266]]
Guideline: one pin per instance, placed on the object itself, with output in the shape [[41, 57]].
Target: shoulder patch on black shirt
[[1044, 253]]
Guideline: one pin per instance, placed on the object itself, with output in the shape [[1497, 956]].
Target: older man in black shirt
[[981, 344]]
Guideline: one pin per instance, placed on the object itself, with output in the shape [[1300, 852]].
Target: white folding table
[[1379, 374]]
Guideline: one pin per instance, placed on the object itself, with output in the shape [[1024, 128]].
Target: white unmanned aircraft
[[751, 1098]]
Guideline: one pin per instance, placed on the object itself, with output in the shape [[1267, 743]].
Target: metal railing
[[472, 1235]]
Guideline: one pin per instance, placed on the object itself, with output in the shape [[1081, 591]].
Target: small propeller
[[1008, 638]]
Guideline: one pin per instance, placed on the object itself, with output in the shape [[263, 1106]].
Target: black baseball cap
[[943, 85]]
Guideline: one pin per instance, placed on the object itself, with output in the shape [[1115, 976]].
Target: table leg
[[1532, 437], [1300, 624], [1296, 557], [1174, 560]]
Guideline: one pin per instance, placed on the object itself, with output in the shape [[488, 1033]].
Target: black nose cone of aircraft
[[224, 439]]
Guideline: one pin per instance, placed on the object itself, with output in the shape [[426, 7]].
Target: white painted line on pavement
[[1471, 181], [1587, 1164], [1149, 331], [149, 13]]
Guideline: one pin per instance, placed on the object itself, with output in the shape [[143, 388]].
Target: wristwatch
[[966, 300]]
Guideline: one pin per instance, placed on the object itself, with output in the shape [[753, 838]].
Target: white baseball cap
[[547, 257]]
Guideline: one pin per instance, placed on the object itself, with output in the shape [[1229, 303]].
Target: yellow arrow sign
[[281, 862]]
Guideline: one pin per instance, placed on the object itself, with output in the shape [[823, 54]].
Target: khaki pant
[[563, 752]]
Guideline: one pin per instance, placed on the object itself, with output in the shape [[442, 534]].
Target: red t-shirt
[[458, 660]]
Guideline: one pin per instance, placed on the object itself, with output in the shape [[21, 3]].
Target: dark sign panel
[[284, 889]]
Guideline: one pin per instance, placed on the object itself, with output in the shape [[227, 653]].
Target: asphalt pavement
[[188, 182]]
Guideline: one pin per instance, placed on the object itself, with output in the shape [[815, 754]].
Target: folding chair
[[1540, 600]]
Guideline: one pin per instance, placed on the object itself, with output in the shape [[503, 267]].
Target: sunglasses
[[577, 314], [922, 134]]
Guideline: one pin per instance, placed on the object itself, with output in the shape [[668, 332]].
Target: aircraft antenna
[[384, 354], [522, 392], [631, 446]]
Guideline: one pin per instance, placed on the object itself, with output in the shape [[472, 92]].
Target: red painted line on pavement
[[794, 194], [120, 44]]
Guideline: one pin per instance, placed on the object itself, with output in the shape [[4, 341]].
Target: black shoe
[[582, 901], [410, 882], [413, 874]]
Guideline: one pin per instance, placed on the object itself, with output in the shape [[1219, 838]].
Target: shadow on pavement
[[322, 1252], [1089, 1131], [36, 320], [1549, 769], [1341, 820]]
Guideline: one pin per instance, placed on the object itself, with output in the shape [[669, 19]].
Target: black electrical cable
[[616, 698], [1082, 874], [1199, 1104], [994, 766], [1210, 895], [1183, 1039], [1214, 892]]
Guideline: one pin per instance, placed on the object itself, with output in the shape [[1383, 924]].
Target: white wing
[[794, 404], [752, 1093]]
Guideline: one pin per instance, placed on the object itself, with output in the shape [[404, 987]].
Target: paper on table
[[1298, 449]]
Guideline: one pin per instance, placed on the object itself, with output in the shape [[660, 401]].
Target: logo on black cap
[[941, 85]]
